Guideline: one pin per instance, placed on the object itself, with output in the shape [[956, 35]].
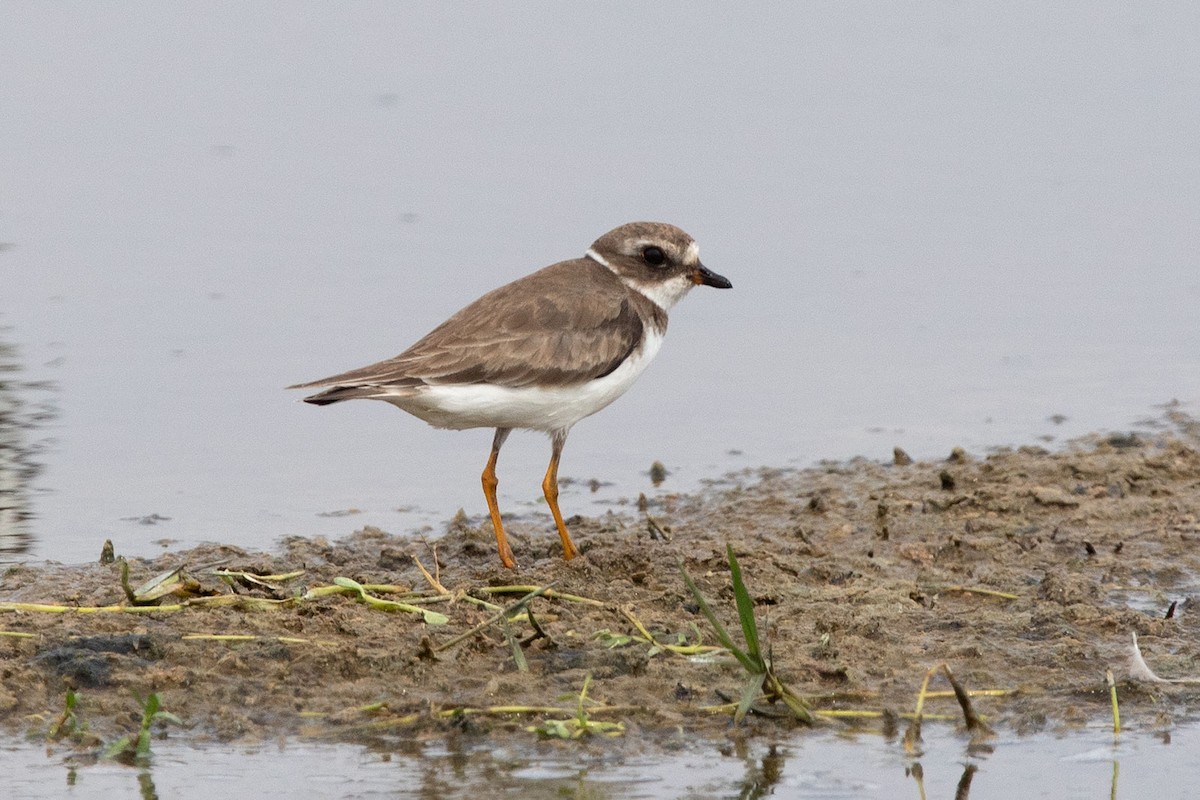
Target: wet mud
[[1024, 570]]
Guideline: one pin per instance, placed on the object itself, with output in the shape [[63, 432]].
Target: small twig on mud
[[245, 637], [435, 580], [979, 590], [977, 693], [492, 620], [657, 531], [546, 591]]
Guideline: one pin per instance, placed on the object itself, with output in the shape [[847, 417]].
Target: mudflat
[[1026, 571]]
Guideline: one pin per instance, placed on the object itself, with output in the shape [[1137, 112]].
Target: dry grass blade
[[547, 591], [49, 608], [492, 620], [245, 637], [981, 591], [430, 617], [433, 580], [1112, 694], [655, 644], [255, 580], [912, 734]]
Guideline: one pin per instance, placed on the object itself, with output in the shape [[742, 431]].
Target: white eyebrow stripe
[[599, 259]]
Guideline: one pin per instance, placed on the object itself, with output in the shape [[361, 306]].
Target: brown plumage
[[542, 352], [563, 325]]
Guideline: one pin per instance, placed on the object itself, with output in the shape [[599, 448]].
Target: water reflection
[[1081, 765], [20, 417], [762, 774], [962, 791]]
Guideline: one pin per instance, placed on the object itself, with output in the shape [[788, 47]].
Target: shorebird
[[542, 352]]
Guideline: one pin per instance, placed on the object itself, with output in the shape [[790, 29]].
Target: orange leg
[[550, 489], [489, 492]]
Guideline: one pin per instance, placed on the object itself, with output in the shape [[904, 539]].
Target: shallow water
[[944, 226], [1081, 764]]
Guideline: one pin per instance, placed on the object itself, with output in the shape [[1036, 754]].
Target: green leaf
[[350, 583], [430, 617], [610, 639], [750, 693], [514, 645], [745, 607], [150, 708], [159, 586], [718, 628], [167, 716], [118, 747]]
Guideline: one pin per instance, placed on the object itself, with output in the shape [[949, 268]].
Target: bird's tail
[[337, 394]]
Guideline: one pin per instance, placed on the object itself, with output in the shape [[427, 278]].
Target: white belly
[[484, 405]]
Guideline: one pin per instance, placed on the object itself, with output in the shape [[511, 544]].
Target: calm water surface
[[944, 226], [1087, 764]]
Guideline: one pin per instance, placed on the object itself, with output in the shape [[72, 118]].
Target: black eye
[[654, 256]]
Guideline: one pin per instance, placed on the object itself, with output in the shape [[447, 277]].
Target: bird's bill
[[703, 276]]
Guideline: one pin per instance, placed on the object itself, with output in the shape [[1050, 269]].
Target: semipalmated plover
[[542, 352]]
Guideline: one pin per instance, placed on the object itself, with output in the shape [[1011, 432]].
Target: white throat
[[663, 294]]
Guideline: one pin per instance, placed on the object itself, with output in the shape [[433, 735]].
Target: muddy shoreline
[[1026, 571]]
